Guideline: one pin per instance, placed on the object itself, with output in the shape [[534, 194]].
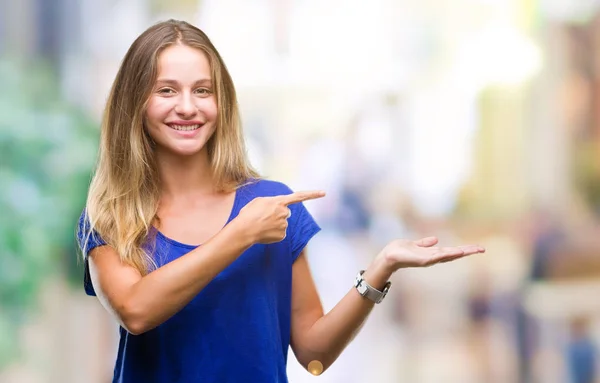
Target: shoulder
[[83, 225], [86, 235], [265, 188]]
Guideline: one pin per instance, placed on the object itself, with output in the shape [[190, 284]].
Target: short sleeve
[[87, 240], [302, 227]]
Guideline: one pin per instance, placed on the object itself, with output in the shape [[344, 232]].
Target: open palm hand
[[402, 253]]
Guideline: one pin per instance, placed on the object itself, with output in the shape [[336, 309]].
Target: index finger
[[301, 196]]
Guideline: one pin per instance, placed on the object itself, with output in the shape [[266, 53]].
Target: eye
[[165, 91], [203, 92]]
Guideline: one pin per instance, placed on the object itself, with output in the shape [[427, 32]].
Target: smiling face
[[181, 114]]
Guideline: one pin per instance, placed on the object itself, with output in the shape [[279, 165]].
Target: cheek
[[153, 117], [157, 110], [210, 109]]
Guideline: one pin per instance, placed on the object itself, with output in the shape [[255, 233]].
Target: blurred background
[[473, 120]]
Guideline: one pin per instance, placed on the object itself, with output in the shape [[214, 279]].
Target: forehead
[[182, 62]]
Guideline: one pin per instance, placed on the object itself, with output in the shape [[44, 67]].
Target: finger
[[289, 214], [301, 196], [444, 253], [450, 251], [443, 259], [472, 249], [460, 252], [426, 242]]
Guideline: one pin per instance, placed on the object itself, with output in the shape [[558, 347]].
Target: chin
[[187, 152]]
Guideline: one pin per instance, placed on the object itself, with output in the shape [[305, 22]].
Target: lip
[[185, 122]]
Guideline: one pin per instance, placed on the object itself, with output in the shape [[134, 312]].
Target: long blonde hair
[[124, 193]]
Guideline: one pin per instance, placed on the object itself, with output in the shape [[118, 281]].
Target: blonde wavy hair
[[124, 192]]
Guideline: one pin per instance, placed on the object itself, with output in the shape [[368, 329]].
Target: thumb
[[426, 242]]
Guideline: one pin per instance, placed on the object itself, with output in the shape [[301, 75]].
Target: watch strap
[[369, 291]]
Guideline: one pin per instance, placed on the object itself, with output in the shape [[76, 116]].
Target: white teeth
[[185, 127]]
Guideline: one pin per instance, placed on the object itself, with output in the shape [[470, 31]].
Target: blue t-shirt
[[237, 329]]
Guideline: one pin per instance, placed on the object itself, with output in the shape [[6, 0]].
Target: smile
[[186, 128]]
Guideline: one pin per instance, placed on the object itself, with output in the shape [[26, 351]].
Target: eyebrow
[[163, 81]]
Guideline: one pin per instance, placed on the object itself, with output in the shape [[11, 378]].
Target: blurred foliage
[[47, 150], [587, 173]]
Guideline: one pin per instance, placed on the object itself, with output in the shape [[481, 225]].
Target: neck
[[184, 177]]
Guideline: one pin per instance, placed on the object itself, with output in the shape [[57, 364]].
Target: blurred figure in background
[[582, 354]]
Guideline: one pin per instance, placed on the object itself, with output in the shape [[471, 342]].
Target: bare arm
[[323, 337], [142, 303]]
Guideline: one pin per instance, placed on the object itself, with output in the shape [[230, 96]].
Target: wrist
[[241, 233], [378, 273]]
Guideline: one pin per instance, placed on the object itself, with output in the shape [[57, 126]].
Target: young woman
[[200, 260]]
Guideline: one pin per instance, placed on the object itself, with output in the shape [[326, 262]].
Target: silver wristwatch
[[369, 291]]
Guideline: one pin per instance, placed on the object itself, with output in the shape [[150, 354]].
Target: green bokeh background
[[47, 151]]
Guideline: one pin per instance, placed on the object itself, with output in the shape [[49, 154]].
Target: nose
[[185, 105]]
